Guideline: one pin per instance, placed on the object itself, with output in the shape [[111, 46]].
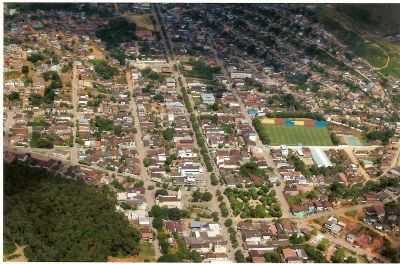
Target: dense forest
[[63, 220]]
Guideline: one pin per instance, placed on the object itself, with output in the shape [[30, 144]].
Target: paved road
[[178, 76], [267, 157], [365, 148]]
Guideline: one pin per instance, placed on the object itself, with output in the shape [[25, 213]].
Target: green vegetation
[[38, 140], [340, 257], [118, 30], [31, 7], [251, 169], [203, 197], [314, 254], [297, 239], [104, 124], [101, 88], [224, 209], [104, 70], [201, 70], [339, 190], [61, 220], [25, 69], [118, 54], [272, 257], [35, 57], [261, 131], [288, 101], [168, 213], [255, 202], [8, 247], [281, 135], [374, 54], [13, 96], [239, 257], [181, 254], [49, 93], [228, 222], [382, 135], [323, 245], [323, 56], [169, 133], [201, 142], [393, 50], [149, 74], [298, 114]]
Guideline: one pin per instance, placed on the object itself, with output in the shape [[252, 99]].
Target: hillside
[[62, 220], [364, 30]]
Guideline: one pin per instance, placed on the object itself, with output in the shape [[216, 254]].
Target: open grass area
[[146, 254], [282, 135], [381, 54], [393, 67]]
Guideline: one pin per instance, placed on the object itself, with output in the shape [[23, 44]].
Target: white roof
[[320, 157]]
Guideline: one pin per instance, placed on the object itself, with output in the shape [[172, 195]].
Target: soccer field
[[307, 136]]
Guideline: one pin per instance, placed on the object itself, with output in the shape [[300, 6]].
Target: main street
[[267, 157], [181, 87]]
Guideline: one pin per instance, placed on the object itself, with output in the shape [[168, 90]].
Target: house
[[290, 255], [146, 234], [298, 210], [257, 256], [170, 201], [363, 240], [190, 171], [207, 98], [173, 226]]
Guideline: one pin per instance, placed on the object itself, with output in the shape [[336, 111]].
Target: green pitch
[[307, 136]]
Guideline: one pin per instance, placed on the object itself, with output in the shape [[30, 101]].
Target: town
[[228, 133]]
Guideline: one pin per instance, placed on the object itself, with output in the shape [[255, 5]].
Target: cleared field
[[282, 135], [142, 21]]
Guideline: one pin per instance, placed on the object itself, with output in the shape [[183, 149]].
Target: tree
[[272, 257], [117, 31], [118, 54], [161, 192], [195, 256], [25, 69], [239, 257], [157, 223], [339, 256], [228, 222], [169, 258], [314, 254], [296, 239], [323, 245], [104, 70], [169, 133], [335, 140], [215, 217], [147, 162], [214, 179], [35, 57], [207, 196], [251, 169], [49, 214], [351, 259], [13, 96]]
